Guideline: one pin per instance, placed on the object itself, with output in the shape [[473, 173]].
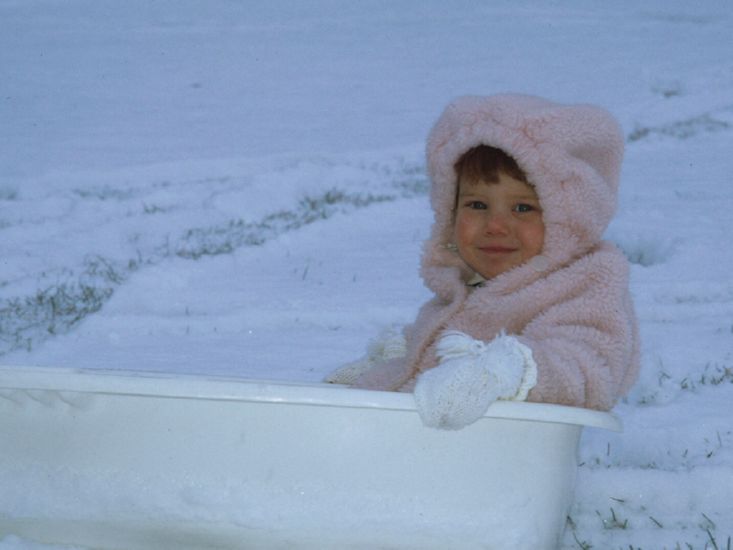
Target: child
[[530, 303]]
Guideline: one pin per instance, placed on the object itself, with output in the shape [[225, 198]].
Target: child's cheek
[[534, 237], [462, 229]]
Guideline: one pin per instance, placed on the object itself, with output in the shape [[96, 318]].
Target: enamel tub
[[130, 461]]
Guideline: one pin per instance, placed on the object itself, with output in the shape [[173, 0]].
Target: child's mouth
[[497, 249]]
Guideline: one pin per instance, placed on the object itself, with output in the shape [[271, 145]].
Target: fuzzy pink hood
[[570, 153], [571, 304]]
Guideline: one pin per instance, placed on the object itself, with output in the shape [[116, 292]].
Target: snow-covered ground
[[221, 187]]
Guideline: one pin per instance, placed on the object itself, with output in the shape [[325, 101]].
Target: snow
[[204, 188]]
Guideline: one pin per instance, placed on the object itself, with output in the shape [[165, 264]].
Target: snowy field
[[239, 189]]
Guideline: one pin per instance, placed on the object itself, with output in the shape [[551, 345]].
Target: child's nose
[[497, 223]]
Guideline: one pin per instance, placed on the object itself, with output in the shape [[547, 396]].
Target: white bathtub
[[127, 460]]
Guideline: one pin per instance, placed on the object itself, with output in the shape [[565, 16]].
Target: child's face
[[497, 226]]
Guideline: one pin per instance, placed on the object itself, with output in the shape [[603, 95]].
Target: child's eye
[[524, 207], [476, 205]]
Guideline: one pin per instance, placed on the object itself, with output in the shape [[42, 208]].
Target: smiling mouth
[[497, 249]]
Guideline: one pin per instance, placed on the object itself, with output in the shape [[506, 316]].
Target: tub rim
[[228, 388]]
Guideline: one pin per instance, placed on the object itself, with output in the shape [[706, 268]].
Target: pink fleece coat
[[570, 304]]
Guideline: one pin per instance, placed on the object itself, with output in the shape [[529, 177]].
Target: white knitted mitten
[[471, 375], [389, 344]]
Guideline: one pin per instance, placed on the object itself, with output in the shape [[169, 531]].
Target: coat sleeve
[[586, 346]]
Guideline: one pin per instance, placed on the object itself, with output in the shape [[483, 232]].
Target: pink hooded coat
[[571, 304]]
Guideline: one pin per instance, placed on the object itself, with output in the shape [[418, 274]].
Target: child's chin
[[495, 271]]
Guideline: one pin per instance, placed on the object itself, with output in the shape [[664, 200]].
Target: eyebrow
[[516, 196], [527, 197]]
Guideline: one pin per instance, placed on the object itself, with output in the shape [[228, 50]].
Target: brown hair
[[483, 163]]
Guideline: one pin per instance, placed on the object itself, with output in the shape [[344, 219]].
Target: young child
[[530, 303]]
